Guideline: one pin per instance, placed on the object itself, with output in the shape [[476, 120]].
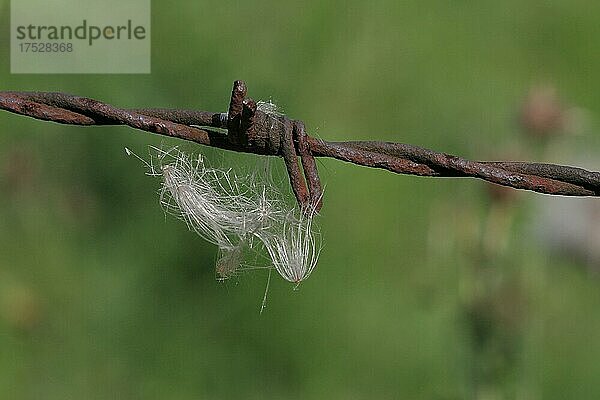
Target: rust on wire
[[250, 130]]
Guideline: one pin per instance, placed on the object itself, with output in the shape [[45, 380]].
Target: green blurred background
[[425, 289]]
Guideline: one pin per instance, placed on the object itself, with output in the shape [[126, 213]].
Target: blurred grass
[[102, 296]]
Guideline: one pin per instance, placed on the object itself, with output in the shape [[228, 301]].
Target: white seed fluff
[[237, 213], [269, 108], [295, 249]]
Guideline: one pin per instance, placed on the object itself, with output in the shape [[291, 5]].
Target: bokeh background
[[425, 289]]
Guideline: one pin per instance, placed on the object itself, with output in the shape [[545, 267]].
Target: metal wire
[[252, 131]]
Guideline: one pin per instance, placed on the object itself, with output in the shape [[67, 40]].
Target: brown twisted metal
[[250, 130]]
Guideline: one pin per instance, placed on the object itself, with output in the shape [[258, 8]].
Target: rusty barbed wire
[[244, 128]]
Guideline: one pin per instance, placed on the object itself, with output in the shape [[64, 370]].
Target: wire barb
[[253, 128]]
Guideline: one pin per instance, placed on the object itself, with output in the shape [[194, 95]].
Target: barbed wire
[[245, 128]]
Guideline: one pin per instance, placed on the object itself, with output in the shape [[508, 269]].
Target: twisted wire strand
[[198, 126]]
